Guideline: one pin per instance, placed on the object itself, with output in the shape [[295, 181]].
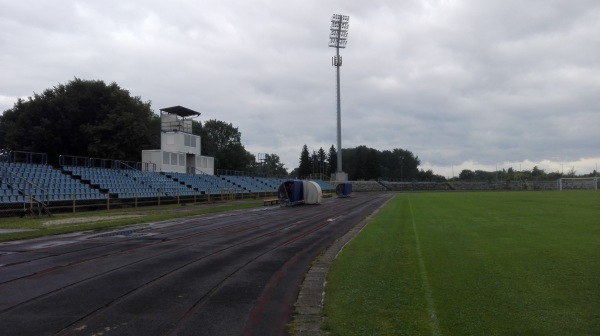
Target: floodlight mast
[[337, 39]]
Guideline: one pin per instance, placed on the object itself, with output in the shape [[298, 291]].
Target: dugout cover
[[297, 191]]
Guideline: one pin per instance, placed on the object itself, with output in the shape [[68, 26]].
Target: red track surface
[[227, 274]]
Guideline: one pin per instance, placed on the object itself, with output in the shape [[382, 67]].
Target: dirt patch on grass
[[80, 220]]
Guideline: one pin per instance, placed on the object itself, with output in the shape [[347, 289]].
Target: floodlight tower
[[337, 39]]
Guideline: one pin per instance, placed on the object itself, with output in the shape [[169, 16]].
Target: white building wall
[[177, 162], [180, 150], [173, 162], [153, 158], [205, 164], [180, 142]]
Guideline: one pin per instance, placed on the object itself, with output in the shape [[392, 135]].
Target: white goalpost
[[571, 183]]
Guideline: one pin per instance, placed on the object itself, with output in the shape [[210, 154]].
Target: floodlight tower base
[[339, 177]]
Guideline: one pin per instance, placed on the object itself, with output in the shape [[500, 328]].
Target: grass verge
[[523, 263], [39, 226]]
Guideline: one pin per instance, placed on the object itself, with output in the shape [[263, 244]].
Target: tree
[[235, 157], [481, 175], [466, 175], [223, 141], [217, 135], [197, 129], [331, 160], [360, 163], [389, 165], [554, 176], [430, 176], [319, 162], [272, 166], [81, 118], [510, 174], [294, 173], [537, 173], [305, 168], [409, 164]]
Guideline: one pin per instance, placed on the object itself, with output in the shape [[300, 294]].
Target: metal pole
[[339, 111], [337, 39]]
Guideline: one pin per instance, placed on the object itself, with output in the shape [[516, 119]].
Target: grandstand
[[256, 184], [78, 183], [27, 186]]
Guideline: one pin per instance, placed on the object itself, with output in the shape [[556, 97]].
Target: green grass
[[518, 263], [148, 214]]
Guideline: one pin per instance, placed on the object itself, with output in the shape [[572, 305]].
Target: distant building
[[179, 148]]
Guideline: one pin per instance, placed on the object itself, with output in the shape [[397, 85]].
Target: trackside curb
[[308, 313]]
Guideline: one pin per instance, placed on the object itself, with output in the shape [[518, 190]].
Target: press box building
[[180, 150]]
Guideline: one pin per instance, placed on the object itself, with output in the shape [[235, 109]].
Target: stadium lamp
[[337, 39]]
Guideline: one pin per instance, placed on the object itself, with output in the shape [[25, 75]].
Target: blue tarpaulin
[[291, 191], [343, 189]]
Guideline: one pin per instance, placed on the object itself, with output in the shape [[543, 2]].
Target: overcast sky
[[462, 84]]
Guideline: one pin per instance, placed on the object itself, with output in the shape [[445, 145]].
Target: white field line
[[433, 320]]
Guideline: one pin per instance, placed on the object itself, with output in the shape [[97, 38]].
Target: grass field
[[511, 263]]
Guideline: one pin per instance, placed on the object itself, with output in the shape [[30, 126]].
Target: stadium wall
[[378, 186]]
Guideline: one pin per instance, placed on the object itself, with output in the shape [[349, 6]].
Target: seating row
[[69, 180], [43, 182], [49, 198]]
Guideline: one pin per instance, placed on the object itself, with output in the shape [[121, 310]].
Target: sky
[[479, 84]]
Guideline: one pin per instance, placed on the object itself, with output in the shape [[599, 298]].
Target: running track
[[234, 273]]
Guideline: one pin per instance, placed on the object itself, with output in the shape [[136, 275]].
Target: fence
[[28, 205]]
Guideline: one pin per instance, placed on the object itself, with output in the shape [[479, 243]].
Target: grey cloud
[[453, 81]]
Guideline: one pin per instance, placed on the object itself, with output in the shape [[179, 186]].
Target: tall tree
[[81, 118], [332, 160], [321, 162], [305, 168], [223, 141]]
